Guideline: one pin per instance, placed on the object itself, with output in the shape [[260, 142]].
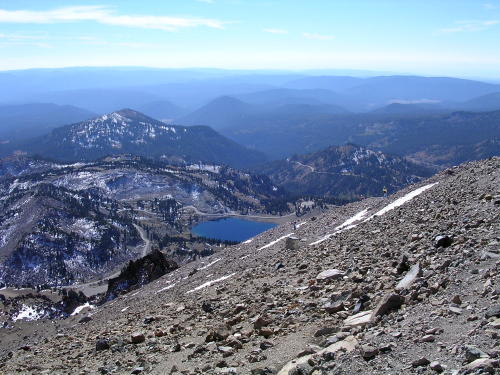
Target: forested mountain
[[437, 139], [488, 102], [128, 131], [346, 172]]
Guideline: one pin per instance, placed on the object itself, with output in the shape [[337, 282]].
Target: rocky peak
[[140, 272]]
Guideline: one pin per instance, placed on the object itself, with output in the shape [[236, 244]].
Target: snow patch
[[166, 288], [209, 283], [27, 312], [79, 309], [400, 201], [209, 264], [276, 241], [346, 225]]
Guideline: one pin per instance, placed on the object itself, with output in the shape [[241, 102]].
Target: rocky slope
[[346, 172], [400, 285]]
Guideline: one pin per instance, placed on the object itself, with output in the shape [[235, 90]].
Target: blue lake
[[231, 229]]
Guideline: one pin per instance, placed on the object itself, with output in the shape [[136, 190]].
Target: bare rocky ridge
[[402, 285]]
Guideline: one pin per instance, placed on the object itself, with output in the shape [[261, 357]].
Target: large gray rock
[[347, 345], [388, 303], [414, 272], [292, 243], [330, 274], [359, 319]]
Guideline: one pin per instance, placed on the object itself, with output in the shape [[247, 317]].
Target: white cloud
[[9, 40], [16, 37], [276, 31], [317, 36], [470, 26], [105, 16]]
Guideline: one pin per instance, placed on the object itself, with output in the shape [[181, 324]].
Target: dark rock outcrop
[[140, 272]]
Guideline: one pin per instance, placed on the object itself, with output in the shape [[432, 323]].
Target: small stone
[[85, 319], [420, 362], [264, 345], [368, 352], [226, 350], [216, 335], [428, 338], [325, 331], [482, 363], [101, 344], [137, 370], [436, 366], [442, 241], [493, 311], [333, 307], [472, 353], [137, 337], [262, 321], [266, 332], [414, 272], [455, 310], [456, 300]]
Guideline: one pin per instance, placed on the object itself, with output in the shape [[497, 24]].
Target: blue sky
[[433, 37]]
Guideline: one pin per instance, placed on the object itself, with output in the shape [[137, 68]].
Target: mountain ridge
[[347, 172], [129, 131]]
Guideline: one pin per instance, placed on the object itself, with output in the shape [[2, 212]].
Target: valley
[[126, 202], [263, 224]]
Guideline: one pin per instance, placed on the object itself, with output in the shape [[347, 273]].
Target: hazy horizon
[[449, 38]]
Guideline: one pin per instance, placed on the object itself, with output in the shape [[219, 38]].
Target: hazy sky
[[435, 37]]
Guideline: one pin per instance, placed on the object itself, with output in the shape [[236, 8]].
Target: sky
[[431, 37]]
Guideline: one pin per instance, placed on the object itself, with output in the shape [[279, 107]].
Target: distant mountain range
[[29, 120], [345, 172], [232, 113], [129, 131], [437, 140], [103, 90], [429, 119]]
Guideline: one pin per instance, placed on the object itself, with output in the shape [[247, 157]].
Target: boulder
[[101, 344], [347, 345], [137, 338], [442, 241], [292, 243], [368, 352], [420, 362], [414, 272], [472, 353], [359, 319], [333, 307], [330, 274], [483, 363], [388, 303]]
